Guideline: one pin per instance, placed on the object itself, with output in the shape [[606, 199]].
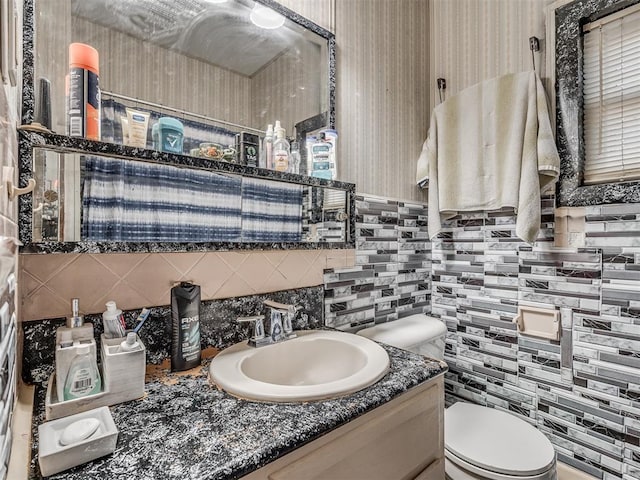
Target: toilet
[[480, 443]]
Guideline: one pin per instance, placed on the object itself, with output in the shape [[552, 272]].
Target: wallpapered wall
[[475, 40]]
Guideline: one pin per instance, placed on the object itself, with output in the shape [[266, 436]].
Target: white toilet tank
[[417, 333]]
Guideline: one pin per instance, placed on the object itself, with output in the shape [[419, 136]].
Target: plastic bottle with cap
[[84, 377], [294, 158], [266, 152], [281, 150]]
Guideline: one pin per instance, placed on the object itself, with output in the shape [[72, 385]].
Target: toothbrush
[[144, 314]]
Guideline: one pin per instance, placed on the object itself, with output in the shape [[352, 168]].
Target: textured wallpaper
[[383, 93], [474, 40]]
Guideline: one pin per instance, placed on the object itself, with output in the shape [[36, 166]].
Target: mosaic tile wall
[[390, 279], [583, 391]]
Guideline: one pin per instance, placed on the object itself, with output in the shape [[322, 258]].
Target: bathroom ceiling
[[218, 33]]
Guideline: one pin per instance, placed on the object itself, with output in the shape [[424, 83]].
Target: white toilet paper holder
[[538, 322]]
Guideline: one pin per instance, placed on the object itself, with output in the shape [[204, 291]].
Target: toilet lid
[[496, 441], [406, 332]]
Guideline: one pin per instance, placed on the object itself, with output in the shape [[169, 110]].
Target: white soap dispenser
[[75, 324], [75, 333]]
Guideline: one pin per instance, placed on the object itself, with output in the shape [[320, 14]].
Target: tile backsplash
[[218, 327], [138, 280], [391, 277], [582, 391]]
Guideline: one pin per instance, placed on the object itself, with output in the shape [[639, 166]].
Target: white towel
[[490, 147]]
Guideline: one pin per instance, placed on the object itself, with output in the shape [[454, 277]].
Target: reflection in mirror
[[81, 197], [207, 58]]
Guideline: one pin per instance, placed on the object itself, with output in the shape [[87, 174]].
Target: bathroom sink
[[315, 365]]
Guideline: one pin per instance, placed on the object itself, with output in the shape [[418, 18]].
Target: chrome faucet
[[279, 325]]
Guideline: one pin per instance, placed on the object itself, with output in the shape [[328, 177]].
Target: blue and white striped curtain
[[271, 211], [133, 201]]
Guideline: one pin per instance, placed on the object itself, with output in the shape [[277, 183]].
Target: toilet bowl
[[481, 443]]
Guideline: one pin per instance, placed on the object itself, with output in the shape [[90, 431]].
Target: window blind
[[611, 94]]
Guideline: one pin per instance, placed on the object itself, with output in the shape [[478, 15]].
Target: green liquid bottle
[[84, 377]]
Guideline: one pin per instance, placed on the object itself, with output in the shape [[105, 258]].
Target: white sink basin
[[316, 365]]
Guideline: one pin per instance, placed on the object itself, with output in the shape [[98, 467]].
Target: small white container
[[123, 372], [55, 457]]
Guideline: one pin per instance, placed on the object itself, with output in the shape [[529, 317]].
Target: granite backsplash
[[218, 327]]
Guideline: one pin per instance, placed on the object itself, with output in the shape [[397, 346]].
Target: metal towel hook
[[442, 86], [534, 46]]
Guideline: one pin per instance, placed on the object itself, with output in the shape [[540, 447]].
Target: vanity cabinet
[[401, 440]]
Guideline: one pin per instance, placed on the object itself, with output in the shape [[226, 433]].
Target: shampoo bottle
[[83, 378], [185, 316]]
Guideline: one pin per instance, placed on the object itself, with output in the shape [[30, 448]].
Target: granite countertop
[[185, 428]]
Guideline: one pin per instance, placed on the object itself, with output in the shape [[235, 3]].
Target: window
[[611, 94]]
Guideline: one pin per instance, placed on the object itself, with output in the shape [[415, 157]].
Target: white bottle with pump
[[68, 339]]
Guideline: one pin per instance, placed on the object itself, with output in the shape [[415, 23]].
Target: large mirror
[[237, 64], [225, 74]]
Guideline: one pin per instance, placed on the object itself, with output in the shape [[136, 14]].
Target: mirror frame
[[571, 192], [28, 63], [30, 139]]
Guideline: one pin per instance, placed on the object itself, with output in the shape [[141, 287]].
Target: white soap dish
[[91, 434]]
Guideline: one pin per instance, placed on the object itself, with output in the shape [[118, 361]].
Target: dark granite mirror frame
[[569, 109], [28, 139]]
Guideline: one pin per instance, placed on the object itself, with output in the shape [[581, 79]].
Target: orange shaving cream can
[[83, 116]]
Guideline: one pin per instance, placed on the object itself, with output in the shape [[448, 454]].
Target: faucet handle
[[288, 313], [258, 325]]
